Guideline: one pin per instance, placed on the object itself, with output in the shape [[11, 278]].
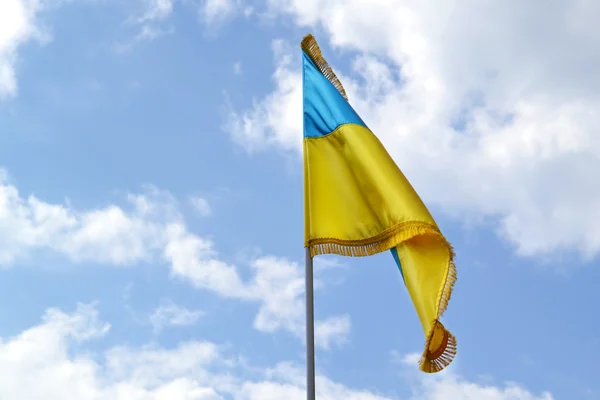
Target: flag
[[357, 202]]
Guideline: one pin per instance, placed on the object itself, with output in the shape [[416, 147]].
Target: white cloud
[[40, 363], [171, 314], [43, 362], [277, 285], [237, 68], [216, 11], [107, 235], [18, 25], [153, 229], [147, 32], [455, 388], [408, 359], [276, 120], [151, 18], [332, 331], [287, 381], [201, 205], [195, 260], [490, 111], [280, 287], [156, 10], [449, 385]]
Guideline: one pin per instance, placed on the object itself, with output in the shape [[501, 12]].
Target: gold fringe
[[311, 48], [451, 277], [441, 358], [389, 238], [435, 362], [392, 237]]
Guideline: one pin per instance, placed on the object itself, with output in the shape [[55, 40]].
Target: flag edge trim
[[310, 46]]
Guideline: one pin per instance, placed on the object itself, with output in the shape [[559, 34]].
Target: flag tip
[[444, 349], [310, 46]]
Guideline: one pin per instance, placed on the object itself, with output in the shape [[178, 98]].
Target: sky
[[151, 227]]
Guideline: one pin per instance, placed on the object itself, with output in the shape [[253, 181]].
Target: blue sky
[[151, 198]]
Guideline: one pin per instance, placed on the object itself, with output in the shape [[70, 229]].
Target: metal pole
[[310, 329]]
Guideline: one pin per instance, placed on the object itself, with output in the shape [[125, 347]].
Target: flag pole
[[310, 328]]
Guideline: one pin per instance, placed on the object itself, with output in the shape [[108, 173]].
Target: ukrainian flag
[[357, 202]]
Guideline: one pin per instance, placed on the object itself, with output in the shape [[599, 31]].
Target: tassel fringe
[[449, 283], [310, 46], [430, 361], [376, 244]]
